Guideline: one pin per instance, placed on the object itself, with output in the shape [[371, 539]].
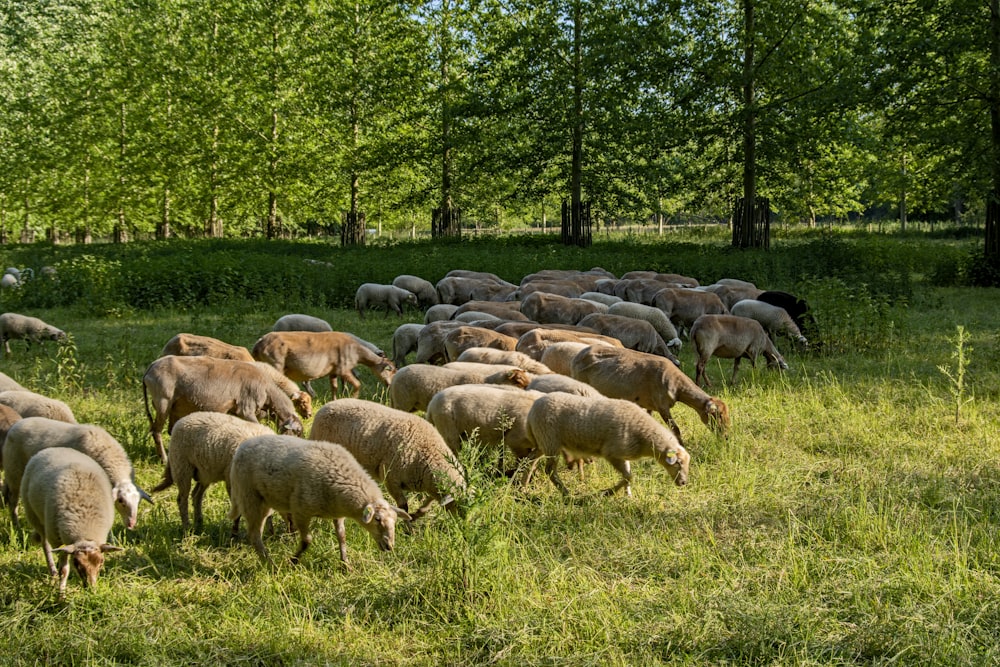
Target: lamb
[[301, 322], [554, 309], [305, 479], [661, 323], [7, 383], [178, 386], [634, 334], [427, 295], [193, 345], [775, 319], [33, 434], [462, 338], [416, 384], [442, 311], [14, 326], [397, 448], [606, 299], [616, 430], [389, 297], [30, 404], [650, 381], [67, 501], [498, 415], [489, 355], [202, 445], [306, 355], [404, 341], [731, 337], [683, 306], [554, 382]]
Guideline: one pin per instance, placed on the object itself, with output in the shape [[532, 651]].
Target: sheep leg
[[305, 537], [622, 466], [310, 390], [47, 550], [342, 541], [255, 529], [550, 469], [349, 379], [64, 574], [196, 498], [736, 367], [700, 373]]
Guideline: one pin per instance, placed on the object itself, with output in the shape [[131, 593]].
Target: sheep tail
[[166, 482]]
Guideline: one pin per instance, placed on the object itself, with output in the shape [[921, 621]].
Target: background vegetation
[[850, 518]]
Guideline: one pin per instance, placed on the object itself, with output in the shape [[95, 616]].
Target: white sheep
[[193, 345], [202, 445], [395, 447], [390, 297], [305, 479], [606, 299], [440, 312], [656, 317], [496, 414], [7, 383], [618, 431], [554, 309], [415, 385], [558, 356], [489, 355], [430, 341], [404, 341], [67, 501], [33, 434], [300, 322], [504, 310], [774, 319], [427, 295], [554, 382], [471, 316], [7, 419], [14, 326], [31, 404], [731, 337]]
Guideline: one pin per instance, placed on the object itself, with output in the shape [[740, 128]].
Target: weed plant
[[846, 520]]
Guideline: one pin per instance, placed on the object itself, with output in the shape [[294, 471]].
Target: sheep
[[616, 430], [9, 281], [397, 448], [459, 289], [634, 334], [474, 316], [389, 297], [193, 345], [415, 385], [558, 356], [661, 323], [683, 306], [505, 310], [794, 306], [733, 282], [427, 295], [67, 501], [442, 311], [7, 383], [306, 355], [498, 415], [532, 343], [30, 404], [33, 434], [202, 445], [7, 419], [641, 290], [650, 381], [404, 341], [731, 337], [478, 275], [676, 278], [300, 399], [553, 382], [430, 341], [606, 299], [731, 294], [554, 309], [462, 338], [566, 288], [300, 322], [774, 319], [490, 355], [29, 329], [178, 386], [305, 479]]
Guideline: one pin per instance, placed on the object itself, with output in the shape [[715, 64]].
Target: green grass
[[848, 519]]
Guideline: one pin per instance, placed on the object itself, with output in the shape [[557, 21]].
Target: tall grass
[[847, 519]]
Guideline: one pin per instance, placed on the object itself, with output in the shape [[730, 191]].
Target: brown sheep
[[463, 338], [634, 334], [555, 309], [684, 306], [535, 341], [732, 337], [193, 345]]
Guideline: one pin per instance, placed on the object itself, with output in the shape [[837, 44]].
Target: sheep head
[[716, 416], [379, 519]]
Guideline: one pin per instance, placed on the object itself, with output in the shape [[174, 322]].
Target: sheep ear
[[671, 457], [368, 513], [110, 547], [400, 514], [65, 549]]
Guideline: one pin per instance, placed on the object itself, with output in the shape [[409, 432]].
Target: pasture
[[851, 516]]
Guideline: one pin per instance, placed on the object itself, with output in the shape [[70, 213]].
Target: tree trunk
[[992, 246], [118, 235], [575, 235], [751, 216]]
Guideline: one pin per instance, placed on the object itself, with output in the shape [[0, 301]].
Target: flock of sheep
[[565, 363]]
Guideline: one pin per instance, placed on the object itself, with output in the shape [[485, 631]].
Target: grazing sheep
[[462, 338], [442, 311], [554, 382], [634, 334], [734, 282], [29, 329], [488, 355], [178, 386], [459, 289], [477, 275], [558, 356], [202, 445], [67, 501], [497, 414], [555, 309], [427, 295], [474, 316], [794, 306], [731, 337], [606, 299], [641, 290], [7, 419], [9, 281], [775, 319], [7, 383], [415, 385], [306, 355], [567, 288], [650, 381], [504, 310], [675, 278], [430, 341], [618, 431], [404, 341], [305, 479], [683, 306], [193, 345], [640, 311], [33, 434], [300, 399], [397, 448], [389, 297], [731, 294], [30, 404], [300, 322], [532, 343]]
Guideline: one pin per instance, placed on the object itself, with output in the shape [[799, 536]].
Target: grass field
[[850, 518]]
